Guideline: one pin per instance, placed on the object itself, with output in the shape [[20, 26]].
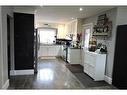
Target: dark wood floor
[[86, 80], [53, 74]]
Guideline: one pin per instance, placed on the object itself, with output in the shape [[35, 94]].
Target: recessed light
[[72, 18], [80, 9]]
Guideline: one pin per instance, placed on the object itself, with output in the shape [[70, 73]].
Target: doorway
[[87, 34]]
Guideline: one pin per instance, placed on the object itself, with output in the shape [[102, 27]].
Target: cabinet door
[[51, 51], [62, 51], [71, 28], [74, 29], [89, 70], [58, 50], [43, 51], [90, 59]]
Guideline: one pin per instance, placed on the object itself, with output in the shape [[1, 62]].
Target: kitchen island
[[74, 55]]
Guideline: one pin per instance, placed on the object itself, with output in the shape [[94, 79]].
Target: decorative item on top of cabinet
[[103, 27], [92, 44]]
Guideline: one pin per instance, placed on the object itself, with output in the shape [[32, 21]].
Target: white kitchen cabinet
[[74, 56], [58, 50], [49, 50], [43, 51], [74, 27], [94, 65]]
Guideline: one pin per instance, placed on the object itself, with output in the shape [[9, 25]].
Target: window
[[47, 35]]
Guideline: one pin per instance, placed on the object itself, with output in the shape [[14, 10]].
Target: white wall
[[1, 57], [110, 42], [3, 43], [122, 16]]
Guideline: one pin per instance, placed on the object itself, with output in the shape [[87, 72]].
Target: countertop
[[74, 48], [95, 52], [50, 45]]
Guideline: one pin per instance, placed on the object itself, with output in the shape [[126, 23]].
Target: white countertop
[[94, 52]]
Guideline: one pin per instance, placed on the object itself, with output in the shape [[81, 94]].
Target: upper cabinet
[[61, 33], [72, 28]]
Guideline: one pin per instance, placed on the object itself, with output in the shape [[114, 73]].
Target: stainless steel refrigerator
[[36, 48]]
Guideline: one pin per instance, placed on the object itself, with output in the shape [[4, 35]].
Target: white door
[[87, 34]]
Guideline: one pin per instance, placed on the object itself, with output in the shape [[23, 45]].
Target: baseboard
[[108, 79], [22, 72], [6, 85], [12, 72]]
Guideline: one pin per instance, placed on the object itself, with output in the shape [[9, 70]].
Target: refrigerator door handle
[[38, 42]]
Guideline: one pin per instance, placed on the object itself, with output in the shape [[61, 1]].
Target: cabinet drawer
[[90, 59], [89, 70]]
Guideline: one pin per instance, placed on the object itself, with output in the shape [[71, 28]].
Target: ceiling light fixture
[[80, 9]]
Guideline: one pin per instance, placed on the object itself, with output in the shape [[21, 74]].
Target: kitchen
[[73, 46], [70, 43], [83, 37]]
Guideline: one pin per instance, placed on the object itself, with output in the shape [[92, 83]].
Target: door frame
[[9, 48]]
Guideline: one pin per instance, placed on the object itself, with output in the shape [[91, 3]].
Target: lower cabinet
[[94, 65], [53, 50], [74, 56], [43, 51]]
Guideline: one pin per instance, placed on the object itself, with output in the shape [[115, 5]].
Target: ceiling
[[60, 14]]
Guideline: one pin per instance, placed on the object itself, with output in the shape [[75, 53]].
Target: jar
[[92, 44]]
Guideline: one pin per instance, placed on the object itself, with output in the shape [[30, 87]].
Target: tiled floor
[[52, 74]]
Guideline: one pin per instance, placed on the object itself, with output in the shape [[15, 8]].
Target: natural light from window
[[47, 36]]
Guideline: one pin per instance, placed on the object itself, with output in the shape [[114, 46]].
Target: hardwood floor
[[86, 80], [52, 74]]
